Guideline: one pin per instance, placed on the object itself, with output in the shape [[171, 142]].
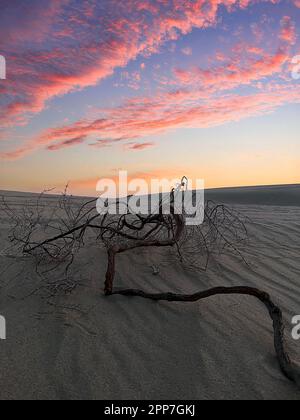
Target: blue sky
[[160, 88]]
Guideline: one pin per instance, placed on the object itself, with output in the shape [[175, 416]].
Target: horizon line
[[55, 194]]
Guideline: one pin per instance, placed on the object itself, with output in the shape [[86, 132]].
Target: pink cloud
[[201, 98], [67, 143], [139, 146], [233, 73], [56, 47], [145, 117], [23, 21], [288, 30], [255, 50]]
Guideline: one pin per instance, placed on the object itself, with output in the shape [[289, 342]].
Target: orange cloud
[[88, 186]]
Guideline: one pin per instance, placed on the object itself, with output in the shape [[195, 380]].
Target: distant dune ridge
[[277, 195], [83, 345]]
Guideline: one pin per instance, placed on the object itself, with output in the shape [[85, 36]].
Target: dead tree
[[153, 231], [67, 227]]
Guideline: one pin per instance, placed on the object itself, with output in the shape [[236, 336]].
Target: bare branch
[[289, 369]]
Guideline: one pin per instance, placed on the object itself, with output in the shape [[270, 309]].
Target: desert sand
[[87, 346]]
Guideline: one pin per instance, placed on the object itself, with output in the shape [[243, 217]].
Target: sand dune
[[86, 346], [276, 195]]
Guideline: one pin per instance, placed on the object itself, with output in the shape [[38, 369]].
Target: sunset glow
[[160, 88]]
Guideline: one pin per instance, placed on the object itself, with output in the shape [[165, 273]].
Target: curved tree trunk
[[113, 251], [290, 370], [111, 270]]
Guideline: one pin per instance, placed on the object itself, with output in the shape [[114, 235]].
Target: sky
[[159, 88]]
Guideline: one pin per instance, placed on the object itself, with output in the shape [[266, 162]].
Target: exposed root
[[289, 369]]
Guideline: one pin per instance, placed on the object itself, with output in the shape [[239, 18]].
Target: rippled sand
[[86, 346]]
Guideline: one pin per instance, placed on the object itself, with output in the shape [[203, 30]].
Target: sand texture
[[86, 346]]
